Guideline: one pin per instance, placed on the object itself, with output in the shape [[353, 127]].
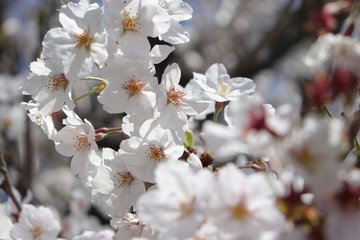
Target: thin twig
[[6, 184]]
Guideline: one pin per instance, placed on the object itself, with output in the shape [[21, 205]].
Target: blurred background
[[261, 39]]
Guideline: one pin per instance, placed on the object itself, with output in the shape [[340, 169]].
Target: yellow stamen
[[133, 87], [83, 40], [239, 211], [175, 96], [131, 23], [36, 231], [155, 153]]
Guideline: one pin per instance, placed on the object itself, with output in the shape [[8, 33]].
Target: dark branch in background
[[288, 30], [281, 24], [6, 184], [28, 166]]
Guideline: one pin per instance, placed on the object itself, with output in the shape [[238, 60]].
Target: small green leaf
[[189, 139]]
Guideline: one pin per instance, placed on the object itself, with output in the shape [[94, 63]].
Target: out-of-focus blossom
[[243, 203], [330, 48], [90, 235], [6, 226], [316, 148], [177, 206], [253, 127], [130, 227], [35, 223]]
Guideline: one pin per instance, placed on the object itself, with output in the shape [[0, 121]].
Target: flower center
[[56, 82], [304, 157], [122, 179], [133, 87], [36, 118], [155, 153], [186, 209], [257, 118], [83, 40], [131, 23], [81, 142], [239, 211], [223, 88], [36, 231], [174, 96]]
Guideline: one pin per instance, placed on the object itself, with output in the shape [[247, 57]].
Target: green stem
[[85, 95], [357, 147], [218, 108], [93, 78], [111, 132]]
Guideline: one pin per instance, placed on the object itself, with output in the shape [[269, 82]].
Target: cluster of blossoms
[[294, 174]]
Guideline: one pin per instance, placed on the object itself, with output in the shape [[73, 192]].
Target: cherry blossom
[[45, 122], [49, 86], [77, 139], [35, 223], [130, 227], [243, 203], [219, 87], [80, 43], [129, 83], [90, 235], [155, 145], [178, 11], [115, 180], [130, 23], [176, 208], [6, 226], [175, 103]]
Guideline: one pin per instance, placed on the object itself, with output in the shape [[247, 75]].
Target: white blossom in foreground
[[130, 227], [90, 235], [131, 22], [35, 223], [177, 206], [219, 87], [80, 43], [244, 205], [178, 11], [155, 145], [116, 182], [77, 139], [174, 103], [131, 87], [45, 122], [48, 86]]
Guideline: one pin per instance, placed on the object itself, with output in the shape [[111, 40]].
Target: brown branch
[[6, 184]]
